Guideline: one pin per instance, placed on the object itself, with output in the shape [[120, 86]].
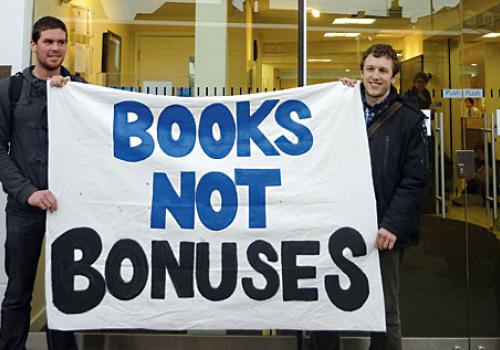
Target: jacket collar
[[380, 107], [28, 73]]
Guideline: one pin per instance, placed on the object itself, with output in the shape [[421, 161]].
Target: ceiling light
[[491, 35], [315, 12], [473, 64], [345, 35], [324, 60], [389, 35], [353, 20], [347, 70]]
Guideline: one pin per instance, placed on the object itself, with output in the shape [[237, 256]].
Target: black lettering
[[229, 273], [117, 286], [355, 296], [266, 270], [292, 272], [64, 268], [180, 272]]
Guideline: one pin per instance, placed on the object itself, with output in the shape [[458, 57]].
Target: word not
[[194, 263], [182, 205]]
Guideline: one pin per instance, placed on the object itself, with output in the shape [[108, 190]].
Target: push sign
[[452, 93]]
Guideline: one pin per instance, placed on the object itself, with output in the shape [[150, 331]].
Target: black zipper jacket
[[398, 151], [24, 140]]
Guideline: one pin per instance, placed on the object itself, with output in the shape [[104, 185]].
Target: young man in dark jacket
[[398, 150], [23, 173]]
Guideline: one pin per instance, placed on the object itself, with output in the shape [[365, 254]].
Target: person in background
[[398, 152], [471, 111], [418, 95], [24, 177]]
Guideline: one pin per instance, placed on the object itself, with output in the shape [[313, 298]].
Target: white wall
[[15, 31]]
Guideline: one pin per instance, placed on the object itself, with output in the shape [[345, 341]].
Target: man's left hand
[[385, 239], [58, 81]]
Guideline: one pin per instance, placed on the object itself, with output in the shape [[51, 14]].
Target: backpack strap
[[377, 123], [15, 87]]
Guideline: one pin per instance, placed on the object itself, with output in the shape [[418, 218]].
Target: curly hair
[[383, 50]]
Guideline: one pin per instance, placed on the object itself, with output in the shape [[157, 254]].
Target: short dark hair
[[470, 100], [47, 23], [421, 75], [382, 50]]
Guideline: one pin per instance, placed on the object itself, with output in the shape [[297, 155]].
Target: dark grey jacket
[[398, 152], [24, 140]]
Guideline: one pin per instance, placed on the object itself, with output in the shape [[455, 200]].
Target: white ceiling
[[126, 10], [411, 8]]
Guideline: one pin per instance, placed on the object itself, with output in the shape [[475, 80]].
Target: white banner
[[244, 212]]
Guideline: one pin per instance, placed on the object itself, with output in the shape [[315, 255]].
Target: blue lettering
[[217, 114], [184, 119], [248, 128], [123, 130], [216, 181], [257, 180], [284, 118], [165, 198]]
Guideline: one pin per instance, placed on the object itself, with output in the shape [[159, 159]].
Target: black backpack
[[15, 87]]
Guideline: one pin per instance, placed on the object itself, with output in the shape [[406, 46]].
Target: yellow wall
[[101, 25], [240, 41], [413, 45], [237, 58]]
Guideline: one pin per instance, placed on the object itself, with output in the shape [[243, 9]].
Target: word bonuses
[[237, 130], [189, 269]]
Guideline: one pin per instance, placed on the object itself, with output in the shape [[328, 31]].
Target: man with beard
[[24, 177]]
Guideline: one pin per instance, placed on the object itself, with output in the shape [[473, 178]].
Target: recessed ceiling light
[[324, 60], [315, 12], [473, 64], [389, 35], [345, 35], [491, 35], [353, 20], [347, 70]]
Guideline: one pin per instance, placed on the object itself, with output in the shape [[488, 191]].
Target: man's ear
[[394, 78], [33, 46]]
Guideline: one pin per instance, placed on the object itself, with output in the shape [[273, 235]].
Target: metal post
[[443, 195], [486, 162], [302, 43], [494, 170], [437, 130]]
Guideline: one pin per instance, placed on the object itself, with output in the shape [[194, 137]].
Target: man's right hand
[[348, 81], [44, 200], [59, 81]]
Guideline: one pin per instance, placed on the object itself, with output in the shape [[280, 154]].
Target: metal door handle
[[486, 162], [494, 167], [443, 194]]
